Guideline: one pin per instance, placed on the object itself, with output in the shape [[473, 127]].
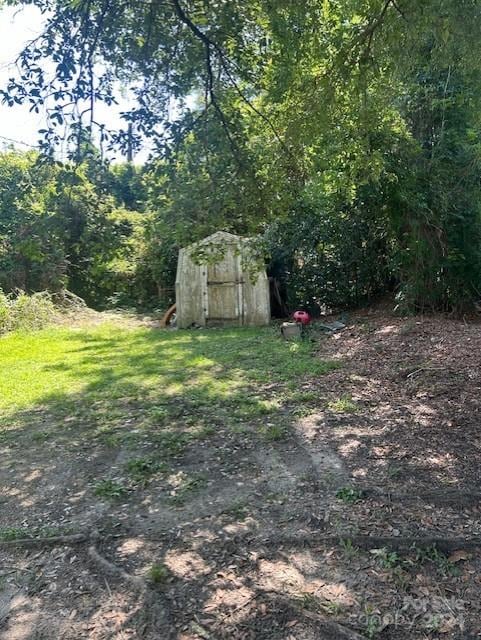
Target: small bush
[[23, 312]]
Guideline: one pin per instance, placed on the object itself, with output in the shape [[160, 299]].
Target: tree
[[59, 229], [365, 102], [32, 253]]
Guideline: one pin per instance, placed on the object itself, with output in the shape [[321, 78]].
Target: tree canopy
[[347, 131]]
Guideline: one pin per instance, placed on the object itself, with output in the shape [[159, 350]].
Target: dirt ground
[[363, 522]]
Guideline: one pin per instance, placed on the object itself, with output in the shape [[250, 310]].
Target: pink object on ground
[[301, 316]]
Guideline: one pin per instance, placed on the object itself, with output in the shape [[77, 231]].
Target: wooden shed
[[216, 285]]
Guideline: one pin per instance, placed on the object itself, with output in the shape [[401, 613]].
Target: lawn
[[100, 373]]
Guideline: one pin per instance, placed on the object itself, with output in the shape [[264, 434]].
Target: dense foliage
[[345, 131], [59, 227]]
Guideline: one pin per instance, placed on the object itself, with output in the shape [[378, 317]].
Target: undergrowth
[[22, 312]]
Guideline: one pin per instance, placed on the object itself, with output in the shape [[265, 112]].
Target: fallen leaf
[[459, 555]]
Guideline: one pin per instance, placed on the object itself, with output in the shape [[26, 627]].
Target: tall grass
[[23, 312]]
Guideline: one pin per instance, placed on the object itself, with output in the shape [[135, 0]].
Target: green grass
[[344, 404], [14, 533], [18, 533], [275, 432], [110, 489], [158, 574], [117, 383], [349, 495], [142, 469]]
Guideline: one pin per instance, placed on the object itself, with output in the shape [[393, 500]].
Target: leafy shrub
[[4, 312], [23, 312], [32, 312], [331, 254]]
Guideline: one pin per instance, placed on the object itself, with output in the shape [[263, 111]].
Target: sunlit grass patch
[[303, 396], [122, 384], [344, 404]]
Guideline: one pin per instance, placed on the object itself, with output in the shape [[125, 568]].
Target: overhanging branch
[[225, 63]]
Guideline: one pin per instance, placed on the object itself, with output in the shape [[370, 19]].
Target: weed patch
[[141, 470], [437, 558], [344, 404], [110, 489], [18, 533], [387, 559], [349, 550], [349, 495], [275, 432], [158, 574]]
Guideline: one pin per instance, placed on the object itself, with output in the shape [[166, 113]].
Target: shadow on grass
[[147, 392], [145, 369]]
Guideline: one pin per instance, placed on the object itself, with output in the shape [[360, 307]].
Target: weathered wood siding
[[188, 292], [257, 308], [223, 294], [220, 294]]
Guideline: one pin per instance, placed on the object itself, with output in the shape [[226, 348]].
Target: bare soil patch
[[247, 536]]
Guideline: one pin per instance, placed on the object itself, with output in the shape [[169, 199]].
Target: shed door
[[224, 291]]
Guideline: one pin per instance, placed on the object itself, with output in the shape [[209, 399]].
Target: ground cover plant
[[162, 370]]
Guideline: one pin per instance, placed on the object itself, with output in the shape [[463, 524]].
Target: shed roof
[[219, 236]]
